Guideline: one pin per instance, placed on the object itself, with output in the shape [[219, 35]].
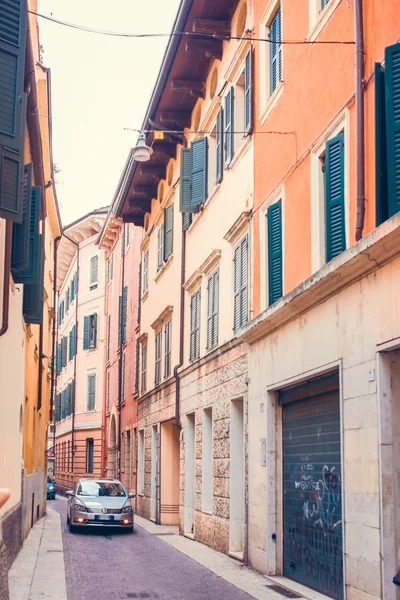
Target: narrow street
[[109, 565]]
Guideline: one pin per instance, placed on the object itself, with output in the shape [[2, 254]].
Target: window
[[274, 228], [207, 461], [194, 349], [91, 392], [72, 343], [168, 230], [110, 268], [333, 167], [141, 462], [89, 455], [167, 344], [108, 337], [137, 355], [144, 369], [193, 177], [108, 391], [228, 127], [67, 300], [275, 56], [90, 332], [240, 276], [160, 247], [324, 3], [212, 310], [158, 347], [64, 351], [146, 271], [387, 135], [219, 147], [122, 316], [94, 272], [127, 235], [123, 377]]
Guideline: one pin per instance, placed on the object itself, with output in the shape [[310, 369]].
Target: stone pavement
[[38, 571]]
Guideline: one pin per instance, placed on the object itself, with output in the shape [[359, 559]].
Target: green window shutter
[[70, 346], [198, 173], [212, 310], [13, 21], [194, 348], [65, 350], [119, 320], [108, 337], [184, 184], [392, 81], [124, 312], [334, 197], [21, 236], [86, 333], [248, 92], [228, 130], [69, 400], [137, 365], [167, 343], [219, 146], [158, 350], [275, 56], [30, 274], [67, 300], [57, 359], [160, 246], [146, 271], [168, 231], [275, 284], [61, 358], [186, 220], [240, 276], [58, 408], [76, 282], [93, 333], [33, 295], [91, 400]]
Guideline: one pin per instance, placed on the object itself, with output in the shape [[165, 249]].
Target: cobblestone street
[[108, 566]]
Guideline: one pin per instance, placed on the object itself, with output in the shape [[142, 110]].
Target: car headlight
[[127, 509], [51, 488], [80, 507]]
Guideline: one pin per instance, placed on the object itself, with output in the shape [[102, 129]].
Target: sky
[[100, 85]]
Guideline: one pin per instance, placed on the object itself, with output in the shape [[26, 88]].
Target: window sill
[[208, 202], [239, 155], [322, 19], [271, 103], [93, 287], [164, 268]]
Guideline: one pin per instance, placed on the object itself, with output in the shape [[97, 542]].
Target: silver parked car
[[99, 502]]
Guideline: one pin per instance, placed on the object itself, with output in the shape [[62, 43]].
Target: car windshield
[[100, 488]]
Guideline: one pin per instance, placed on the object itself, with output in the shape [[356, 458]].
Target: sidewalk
[[233, 571], [38, 571]]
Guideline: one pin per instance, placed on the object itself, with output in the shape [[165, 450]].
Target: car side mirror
[[69, 493], [132, 495]]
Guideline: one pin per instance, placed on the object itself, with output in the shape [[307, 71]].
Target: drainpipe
[[76, 353], [6, 278], [181, 334], [40, 378], [53, 341], [120, 352], [359, 101]]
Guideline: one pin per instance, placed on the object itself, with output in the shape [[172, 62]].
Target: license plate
[[104, 517]]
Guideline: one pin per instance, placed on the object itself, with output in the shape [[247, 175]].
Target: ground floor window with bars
[[167, 345], [194, 348], [158, 354]]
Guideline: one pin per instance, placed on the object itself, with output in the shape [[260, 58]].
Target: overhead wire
[[214, 36]]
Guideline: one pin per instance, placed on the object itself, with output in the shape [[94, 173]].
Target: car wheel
[[129, 530]]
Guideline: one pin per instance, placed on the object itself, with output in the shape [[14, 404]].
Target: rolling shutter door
[[312, 478]]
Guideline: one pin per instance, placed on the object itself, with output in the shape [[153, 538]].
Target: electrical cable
[[184, 33]]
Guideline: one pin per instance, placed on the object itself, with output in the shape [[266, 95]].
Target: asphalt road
[[109, 565]]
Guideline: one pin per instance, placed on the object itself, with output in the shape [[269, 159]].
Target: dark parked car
[[51, 490]]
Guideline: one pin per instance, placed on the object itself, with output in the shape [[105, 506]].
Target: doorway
[[236, 485], [169, 474], [112, 449], [153, 487], [189, 474]]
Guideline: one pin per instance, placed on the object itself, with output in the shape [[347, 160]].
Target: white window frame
[[318, 17], [318, 222], [278, 194], [145, 273], [88, 374], [267, 101], [94, 284]]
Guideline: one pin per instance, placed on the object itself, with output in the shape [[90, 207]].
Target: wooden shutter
[[219, 148], [120, 310], [86, 333], [240, 277], [275, 285], [94, 270], [145, 271], [160, 246], [184, 184], [91, 401], [186, 221], [167, 342], [70, 346], [137, 365], [108, 337], [157, 371], [76, 282], [13, 22], [210, 287], [198, 173], [33, 295], [212, 310], [65, 350], [144, 369], [195, 326], [392, 77], [69, 400], [74, 340], [21, 235], [334, 197], [228, 129], [248, 92], [275, 52], [124, 312], [93, 339], [168, 230], [31, 273]]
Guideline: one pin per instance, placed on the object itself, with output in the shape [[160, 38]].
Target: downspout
[[6, 278], [53, 342], [360, 135], [40, 378], [76, 353], [120, 352], [181, 334]]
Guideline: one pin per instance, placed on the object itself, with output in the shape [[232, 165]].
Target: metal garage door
[[312, 492]]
